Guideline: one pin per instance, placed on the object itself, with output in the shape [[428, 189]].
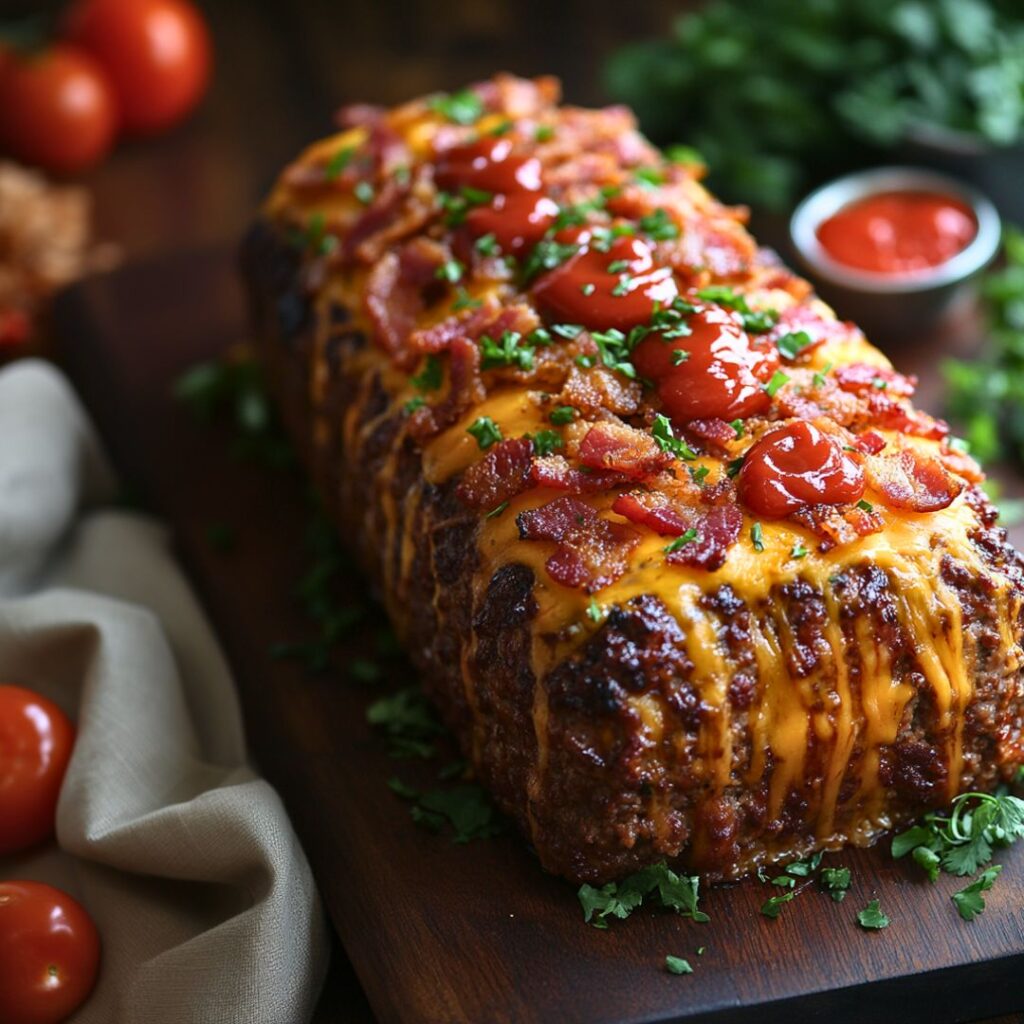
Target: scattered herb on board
[[783, 93], [407, 718], [963, 841], [835, 881], [872, 917], [234, 390], [677, 965], [657, 884]]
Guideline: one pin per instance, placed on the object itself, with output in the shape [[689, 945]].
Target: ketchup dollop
[[488, 164], [794, 466], [516, 220], [617, 286], [715, 371], [898, 232]]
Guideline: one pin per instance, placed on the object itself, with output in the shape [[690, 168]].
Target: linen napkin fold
[[183, 856]]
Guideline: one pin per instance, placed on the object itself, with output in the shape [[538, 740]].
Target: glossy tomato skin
[[36, 739], [57, 109], [157, 53], [49, 954]]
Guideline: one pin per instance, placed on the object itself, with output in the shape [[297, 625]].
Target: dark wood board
[[476, 933]]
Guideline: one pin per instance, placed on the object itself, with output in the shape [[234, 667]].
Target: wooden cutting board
[[476, 933]]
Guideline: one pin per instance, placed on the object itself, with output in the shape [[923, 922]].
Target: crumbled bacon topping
[[914, 482], [591, 552], [621, 449], [499, 476]]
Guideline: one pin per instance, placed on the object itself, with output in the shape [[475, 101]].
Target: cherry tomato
[[157, 53], [57, 109], [36, 738], [49, 954]]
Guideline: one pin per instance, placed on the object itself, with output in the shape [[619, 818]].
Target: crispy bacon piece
[[396, 213], [869, 442], [465, 390], [656, 515], [834, 526], [863, 378], [491, 319], [888, 412], [714, 431], [397, 291], [622, 449], [914, 482], [961, 464], [555, 472], [717, 531], [499, 476], [591, 552], [596, 390], [717, 528]]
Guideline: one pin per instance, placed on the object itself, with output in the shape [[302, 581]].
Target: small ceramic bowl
[[888, 306]]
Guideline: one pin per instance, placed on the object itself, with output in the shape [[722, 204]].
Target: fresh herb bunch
[[783, 92], [985, 396]]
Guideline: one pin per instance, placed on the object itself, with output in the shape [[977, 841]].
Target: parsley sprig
[[658, 884]]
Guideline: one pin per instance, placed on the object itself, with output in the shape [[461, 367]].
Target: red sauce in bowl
[[898, 232]]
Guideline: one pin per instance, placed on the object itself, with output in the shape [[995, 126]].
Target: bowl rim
[[834, 195]]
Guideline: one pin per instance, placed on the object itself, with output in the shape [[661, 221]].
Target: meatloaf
[[681, 565]]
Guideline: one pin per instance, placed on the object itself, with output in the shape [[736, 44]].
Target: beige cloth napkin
[[184, 857]]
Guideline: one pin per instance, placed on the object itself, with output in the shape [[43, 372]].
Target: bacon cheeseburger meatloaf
[[681, 565]]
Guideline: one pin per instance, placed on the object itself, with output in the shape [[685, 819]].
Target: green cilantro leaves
[[658, 884]]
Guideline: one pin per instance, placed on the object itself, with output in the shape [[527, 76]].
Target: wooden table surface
[[282, 68]]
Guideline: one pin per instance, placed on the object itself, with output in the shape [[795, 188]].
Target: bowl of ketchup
[[896, 248]]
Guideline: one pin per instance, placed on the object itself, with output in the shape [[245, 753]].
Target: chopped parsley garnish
[[508, 351], [668, 442], [799, 551], [969, 901], [562, 414], [502, 128], [659, 225], [737, 427], [487, 245], [546, 441], [408, 720], [463, 300], [567, 331], [755, 321], [622, 286], [465, 808], [430, 377], [658, 882], [835, 881], [778, 379], [363, 191], [588, 288], [450, 271], [463, 107], [413, 404], [540, 337], [402, 175], [677, 965], [819, 376], [872, 917], [681, 541], [316, 238], [649, 177], [793, 343], [772, 906], [594, 611], [497, 510], [963, 841], [733, 466], [457, 206], [546, 255], [543, 133], [757, 537], [485, 430], [615, 351], [338, 162], [698, 474], [618, 266], [683, 155], [865, 506]]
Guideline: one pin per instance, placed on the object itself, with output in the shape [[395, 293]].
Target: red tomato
[[36, 738], [49, 954], [57, 109], [157, 53]]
